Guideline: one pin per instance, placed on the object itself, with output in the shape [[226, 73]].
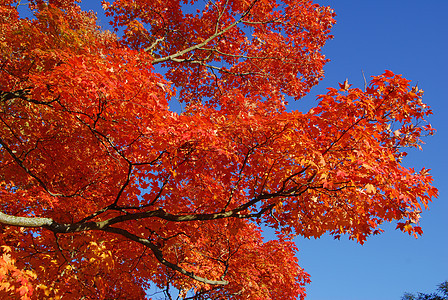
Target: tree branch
[[21, 164], [174, 57], [25, 221], [159, 256]]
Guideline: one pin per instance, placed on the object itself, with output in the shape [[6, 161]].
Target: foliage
[[441, 294], [106, 192]]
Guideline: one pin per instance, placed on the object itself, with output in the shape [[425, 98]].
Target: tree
[[106, 192], [441, 294]]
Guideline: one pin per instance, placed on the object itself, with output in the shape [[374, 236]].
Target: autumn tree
[[107, 193], [441, 294]]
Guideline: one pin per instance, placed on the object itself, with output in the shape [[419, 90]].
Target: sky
[[410, 38]]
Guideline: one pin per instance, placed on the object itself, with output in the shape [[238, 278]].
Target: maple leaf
[[345, 86]]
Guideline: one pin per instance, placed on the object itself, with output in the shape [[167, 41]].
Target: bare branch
[[24, 221], [153, 45], [23, 94]]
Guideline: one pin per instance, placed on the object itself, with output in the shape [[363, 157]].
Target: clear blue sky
[[410, 38]]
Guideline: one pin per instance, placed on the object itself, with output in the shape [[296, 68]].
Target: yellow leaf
[[370, 189]]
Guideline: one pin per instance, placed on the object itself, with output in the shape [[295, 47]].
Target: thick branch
[[23, 94], [50, 224], [160, 213], [24, 221]]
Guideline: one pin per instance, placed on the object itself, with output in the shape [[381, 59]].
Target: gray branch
[[24, 221]]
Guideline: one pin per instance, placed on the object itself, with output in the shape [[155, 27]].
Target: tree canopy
[[106, 192], [441, 294]]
